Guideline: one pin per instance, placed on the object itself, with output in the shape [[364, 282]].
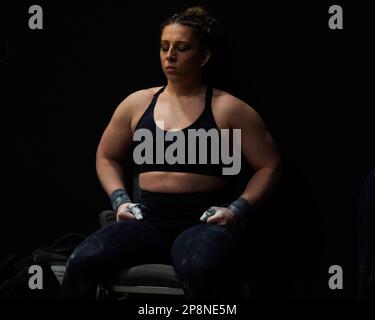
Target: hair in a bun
[[198, 18]]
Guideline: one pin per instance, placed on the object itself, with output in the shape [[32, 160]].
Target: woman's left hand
[[222, 217]]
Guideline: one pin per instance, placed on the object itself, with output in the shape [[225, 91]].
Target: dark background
[[62, 84]]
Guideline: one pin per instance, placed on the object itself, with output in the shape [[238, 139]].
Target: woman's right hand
[[123, 212]]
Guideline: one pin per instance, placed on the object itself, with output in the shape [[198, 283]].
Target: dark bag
[[15, 274]]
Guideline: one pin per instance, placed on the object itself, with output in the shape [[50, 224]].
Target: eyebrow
[[177, 42]]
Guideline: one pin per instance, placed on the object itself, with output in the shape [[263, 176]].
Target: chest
[[180, 114]]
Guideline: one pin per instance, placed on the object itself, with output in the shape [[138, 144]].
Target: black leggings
[[205, 256]]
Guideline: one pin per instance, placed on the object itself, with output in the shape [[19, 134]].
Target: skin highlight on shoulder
[[135, 104], [227, 108]]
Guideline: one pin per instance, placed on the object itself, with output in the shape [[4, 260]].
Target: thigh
[[207, 247], [119, 245]]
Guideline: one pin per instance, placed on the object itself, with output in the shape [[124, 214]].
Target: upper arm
[[117, 136], [257, 144]]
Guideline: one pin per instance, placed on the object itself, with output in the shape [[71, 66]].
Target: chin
[[171, 75]]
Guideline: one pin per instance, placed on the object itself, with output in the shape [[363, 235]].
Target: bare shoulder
[[134, 103], [138, 99], [133, 106], [229, 109]]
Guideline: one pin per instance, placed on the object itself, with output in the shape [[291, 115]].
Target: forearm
[[110, 174], [260, 185]]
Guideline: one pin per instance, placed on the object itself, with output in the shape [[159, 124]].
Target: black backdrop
[[63, 83]]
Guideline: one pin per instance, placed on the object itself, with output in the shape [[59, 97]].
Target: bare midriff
[[179, 182]]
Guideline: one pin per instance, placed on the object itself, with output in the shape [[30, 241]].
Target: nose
[[171, 54]]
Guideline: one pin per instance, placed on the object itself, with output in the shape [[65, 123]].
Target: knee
[[201, 252], [84, 256], [191, 266]]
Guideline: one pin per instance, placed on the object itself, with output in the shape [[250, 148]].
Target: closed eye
[[183, 48], [180, 47]]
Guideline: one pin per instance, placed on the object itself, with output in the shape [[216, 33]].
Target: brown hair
[[198, 18]]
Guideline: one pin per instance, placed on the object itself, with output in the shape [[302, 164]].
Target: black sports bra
[[177, 152]]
